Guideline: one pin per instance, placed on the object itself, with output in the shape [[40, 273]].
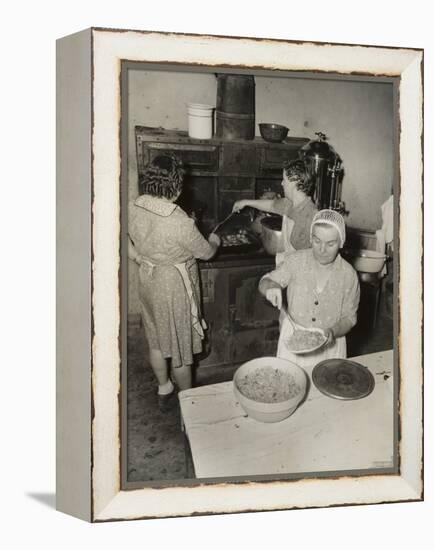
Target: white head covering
[[333, 218]]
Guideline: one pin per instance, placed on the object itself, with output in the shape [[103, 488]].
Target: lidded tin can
[[235, 111]]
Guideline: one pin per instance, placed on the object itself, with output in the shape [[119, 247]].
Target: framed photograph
[[225, 206]]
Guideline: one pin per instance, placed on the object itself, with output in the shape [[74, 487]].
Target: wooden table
[[323, 435]]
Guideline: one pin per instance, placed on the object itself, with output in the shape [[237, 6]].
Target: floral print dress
[[168, 242]]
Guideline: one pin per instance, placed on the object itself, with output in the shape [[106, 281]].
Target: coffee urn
[[325, 166]]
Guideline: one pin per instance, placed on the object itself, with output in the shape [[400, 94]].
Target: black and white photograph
[[259, 247]]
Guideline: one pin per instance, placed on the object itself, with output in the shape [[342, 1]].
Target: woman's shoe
[[167, 402]]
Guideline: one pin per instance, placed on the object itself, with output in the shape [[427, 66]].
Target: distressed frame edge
[[318, 494], [73, 293], [411, 480]]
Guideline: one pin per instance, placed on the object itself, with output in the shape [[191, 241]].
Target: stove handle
[[232, 315]]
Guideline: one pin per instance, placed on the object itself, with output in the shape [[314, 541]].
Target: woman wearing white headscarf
[[322, 290]]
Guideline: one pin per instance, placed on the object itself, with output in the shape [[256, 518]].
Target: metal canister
[[235, 110]]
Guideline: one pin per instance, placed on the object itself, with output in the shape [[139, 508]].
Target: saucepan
[[271, 234]]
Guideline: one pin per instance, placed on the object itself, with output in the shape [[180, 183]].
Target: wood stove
[[242, 324]]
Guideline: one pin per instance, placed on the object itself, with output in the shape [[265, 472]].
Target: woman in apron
[[322, 291], [165, 243], [295, 207]]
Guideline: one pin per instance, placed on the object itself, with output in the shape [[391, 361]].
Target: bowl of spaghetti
[[269, 389], [305, 340]]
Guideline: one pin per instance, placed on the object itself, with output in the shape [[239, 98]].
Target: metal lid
[[319, 149], [343, 379]]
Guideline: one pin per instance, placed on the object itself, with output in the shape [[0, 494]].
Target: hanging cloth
[[385, 234]]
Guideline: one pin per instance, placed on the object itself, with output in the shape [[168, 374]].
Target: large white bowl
[[270, 412], [367, 261]]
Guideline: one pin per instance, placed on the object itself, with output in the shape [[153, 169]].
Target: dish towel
[[385, 234]]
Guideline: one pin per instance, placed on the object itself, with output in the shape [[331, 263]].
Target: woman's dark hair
[[297, 169], [162, 177]]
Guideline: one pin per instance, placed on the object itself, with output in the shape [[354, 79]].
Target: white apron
[[338, 350], [287, 227]]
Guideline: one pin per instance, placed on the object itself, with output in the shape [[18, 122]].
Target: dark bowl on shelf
[[275, 133]]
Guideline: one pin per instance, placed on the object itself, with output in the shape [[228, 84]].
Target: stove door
[[253, 321]]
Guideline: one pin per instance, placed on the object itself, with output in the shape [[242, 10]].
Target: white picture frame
[[88, 271]]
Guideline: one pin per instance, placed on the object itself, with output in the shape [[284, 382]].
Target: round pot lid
[[343, 379]]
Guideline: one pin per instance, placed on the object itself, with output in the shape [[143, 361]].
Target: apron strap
[[198, 324]]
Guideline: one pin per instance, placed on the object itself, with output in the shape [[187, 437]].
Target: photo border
[[125, 132]]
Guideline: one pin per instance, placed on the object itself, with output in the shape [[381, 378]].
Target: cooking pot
[[366, 261], [271, 234]]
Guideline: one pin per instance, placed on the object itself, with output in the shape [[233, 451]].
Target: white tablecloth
[[323, 434]]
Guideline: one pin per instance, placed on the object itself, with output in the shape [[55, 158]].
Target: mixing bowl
[[264, 379], [275, 133]]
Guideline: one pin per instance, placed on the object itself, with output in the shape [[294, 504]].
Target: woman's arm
[[132, 252], [193, 240], [266, 283], [272, 284], [272, 291], [341, 328], [214, 241], [349, 309], [265, 205]]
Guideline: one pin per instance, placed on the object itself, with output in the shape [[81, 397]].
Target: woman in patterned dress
[[322, 290], [165, 242]]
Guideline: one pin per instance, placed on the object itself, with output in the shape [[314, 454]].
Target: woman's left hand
[[329, 334]]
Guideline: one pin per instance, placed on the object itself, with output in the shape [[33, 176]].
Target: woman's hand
[[329, 334], [274, 296], [238, 205], [214, 239]]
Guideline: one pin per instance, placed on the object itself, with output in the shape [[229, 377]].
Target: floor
[[155, 444]]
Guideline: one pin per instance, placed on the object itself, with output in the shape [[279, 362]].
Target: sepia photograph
[[217, 299], [260, 303], [249, 229]]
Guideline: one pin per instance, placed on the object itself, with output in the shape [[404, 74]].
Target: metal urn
[[325, 166]]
